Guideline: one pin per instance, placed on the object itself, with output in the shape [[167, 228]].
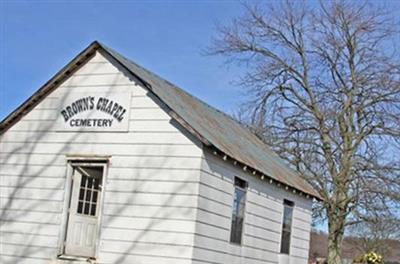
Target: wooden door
[[83, 216]]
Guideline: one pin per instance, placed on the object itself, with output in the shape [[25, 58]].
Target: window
[[286, 226], [88, 190], [238, 211]]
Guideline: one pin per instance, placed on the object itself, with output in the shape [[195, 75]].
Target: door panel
[[83, 216]]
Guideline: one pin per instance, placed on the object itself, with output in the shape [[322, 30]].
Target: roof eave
[[262, 175], [74, 65]]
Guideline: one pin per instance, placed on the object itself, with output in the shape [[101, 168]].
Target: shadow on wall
[[33, 180]]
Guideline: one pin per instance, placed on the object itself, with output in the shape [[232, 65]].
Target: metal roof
[[219, 129], [213, 127]]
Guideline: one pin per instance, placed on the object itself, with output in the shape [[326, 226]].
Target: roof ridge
[[223, 132], [177, 87]]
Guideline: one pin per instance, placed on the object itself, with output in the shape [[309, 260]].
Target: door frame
[[91, 161]]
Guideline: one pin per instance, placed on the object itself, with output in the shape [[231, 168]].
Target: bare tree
[[323, 89], [375, 234]]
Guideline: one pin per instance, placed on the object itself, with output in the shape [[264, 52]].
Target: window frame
[[286, 204], [89, 187], [72, 162], [244, 189]]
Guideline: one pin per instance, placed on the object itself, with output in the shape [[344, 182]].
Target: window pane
[[238, 202], [286, 226], [238, 211], [83, 181], [91, 178], [80, 205], [241, 206], [81, 194], [285, 244], [93, 210], [90, 182], [94, 199], [88, 195], [233, 228], [87, 205], [287, 218], [96, 183], [236, 233]]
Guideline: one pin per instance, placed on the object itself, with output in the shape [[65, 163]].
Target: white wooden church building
[[109, 163]]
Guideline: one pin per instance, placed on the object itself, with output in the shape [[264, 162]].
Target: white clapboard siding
[[299, 252], [165, 198], [53, 137], [29, 239], [263, 211], [263, 217], [106, 88], [33, 170], [146, 236], [32, 182], [269, 197], [97, 79], [302, 215], [29, 204], [98, 58], [301, 243], [119, 161], [145, 101], [297, 232], [211, 191], [215, 231], [216, 244], [151, 187], [143, 248], [116, 257], [30, 228], [27, 250], [97, 68], [265, 201], [32, 216], [183, 187], [146, 223], [208, 204], [263, 232], [259, 221], [176, 212], [261, 242], [218, 255], [154, 174], [46, 148], [7, 259], [213, 217], [25, 192], [301, 225], [174, 199]]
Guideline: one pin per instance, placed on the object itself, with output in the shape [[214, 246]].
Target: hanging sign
[[94, 112]]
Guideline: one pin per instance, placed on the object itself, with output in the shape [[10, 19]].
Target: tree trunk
[[335, 237]]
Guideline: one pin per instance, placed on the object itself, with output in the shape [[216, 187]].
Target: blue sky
[[39, 38]]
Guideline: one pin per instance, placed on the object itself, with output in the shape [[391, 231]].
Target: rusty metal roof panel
[[222, 131]]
